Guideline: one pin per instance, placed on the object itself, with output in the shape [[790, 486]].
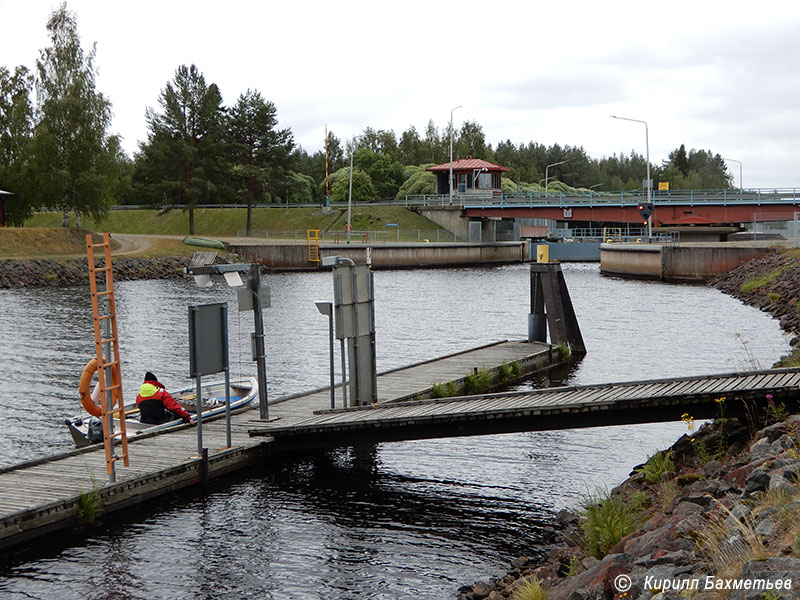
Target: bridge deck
[[558, 408]]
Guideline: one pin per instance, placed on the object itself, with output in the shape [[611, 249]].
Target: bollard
[[542, 253]]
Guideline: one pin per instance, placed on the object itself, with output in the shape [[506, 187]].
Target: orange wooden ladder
[[106, 341]]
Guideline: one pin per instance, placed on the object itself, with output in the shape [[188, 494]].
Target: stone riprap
[[26, 273]]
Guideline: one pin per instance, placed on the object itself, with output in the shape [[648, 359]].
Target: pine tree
[[260, 152], [181, 161]]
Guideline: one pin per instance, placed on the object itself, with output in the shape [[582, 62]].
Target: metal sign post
[[255, 300], [208, 354]]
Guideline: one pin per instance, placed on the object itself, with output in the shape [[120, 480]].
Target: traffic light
[[645, 209]]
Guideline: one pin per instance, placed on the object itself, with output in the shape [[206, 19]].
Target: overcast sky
[[721, 76]]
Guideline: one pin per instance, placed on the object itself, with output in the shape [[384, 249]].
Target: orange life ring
[[84, 389]]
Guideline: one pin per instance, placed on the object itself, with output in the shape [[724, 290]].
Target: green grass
[[606, 519], [89, 506], [58, 241], [227, 222], [530, 589], [657, 465], [757, 282]]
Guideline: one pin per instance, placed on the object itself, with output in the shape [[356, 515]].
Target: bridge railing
[[591, 198], [373, 236]]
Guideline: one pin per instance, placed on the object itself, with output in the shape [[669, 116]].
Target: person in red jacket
[[156, 405]]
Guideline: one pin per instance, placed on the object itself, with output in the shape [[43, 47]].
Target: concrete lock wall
[[294, 257], [695, 263], [687, 262], [633, 260]]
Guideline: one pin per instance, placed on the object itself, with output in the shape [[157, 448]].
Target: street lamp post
[[547, 168], [740, 170], [649, 182], [451, 153]]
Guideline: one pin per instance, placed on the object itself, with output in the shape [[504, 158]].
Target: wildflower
[[689, 420]]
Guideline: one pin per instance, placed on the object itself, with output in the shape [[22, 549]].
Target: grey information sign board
[[208, 339]]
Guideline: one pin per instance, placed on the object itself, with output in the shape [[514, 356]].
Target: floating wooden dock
[[737, 394], [43, 495]]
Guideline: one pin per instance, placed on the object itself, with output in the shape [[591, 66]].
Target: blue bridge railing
[[757, 197]]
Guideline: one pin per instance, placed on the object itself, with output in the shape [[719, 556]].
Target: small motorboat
[[87, 430]]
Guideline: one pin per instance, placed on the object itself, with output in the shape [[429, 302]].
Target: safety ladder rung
[[101, 269], [98, 245], [104, 293], [116, 386], [108, 341], [111, 363], [119, 409], [104, 317]]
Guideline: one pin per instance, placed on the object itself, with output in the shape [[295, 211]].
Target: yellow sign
[[663, 186]]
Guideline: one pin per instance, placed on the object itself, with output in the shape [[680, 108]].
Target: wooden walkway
[[41, 496], [548, 409]]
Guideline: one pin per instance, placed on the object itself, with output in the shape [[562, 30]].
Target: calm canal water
[[415, 519]]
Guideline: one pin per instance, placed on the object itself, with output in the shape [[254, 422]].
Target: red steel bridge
[[683, 207]]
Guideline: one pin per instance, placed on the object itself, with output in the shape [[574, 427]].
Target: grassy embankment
[[43, 236]]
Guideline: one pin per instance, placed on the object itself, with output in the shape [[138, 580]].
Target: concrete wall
[[684, 262], [631, 260], [693, 263], [448, 217], [294, 257]]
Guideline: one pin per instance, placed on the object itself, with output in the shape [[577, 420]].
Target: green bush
[[439, 390], [478, 382], [504, 372], [452, 389]]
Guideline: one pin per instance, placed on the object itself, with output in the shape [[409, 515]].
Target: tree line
[[56, 151]]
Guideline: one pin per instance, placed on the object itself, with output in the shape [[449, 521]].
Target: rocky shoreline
[[717, 515], [35, 272]]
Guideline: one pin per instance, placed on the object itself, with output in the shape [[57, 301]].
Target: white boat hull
[[87, 430]]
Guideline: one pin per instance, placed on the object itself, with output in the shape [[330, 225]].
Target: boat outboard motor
[[95, 431]]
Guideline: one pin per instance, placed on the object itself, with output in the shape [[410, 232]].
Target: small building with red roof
[[472, 176]]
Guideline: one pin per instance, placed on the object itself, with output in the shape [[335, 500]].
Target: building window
[[486, 181]]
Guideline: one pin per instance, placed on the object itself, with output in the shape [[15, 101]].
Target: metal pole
[[649, 183], [344, 375], [330, 340], [199, 408], [355, 374], [350, 198], [740, 170], [450, 184], [546, 178], [258, 337]]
